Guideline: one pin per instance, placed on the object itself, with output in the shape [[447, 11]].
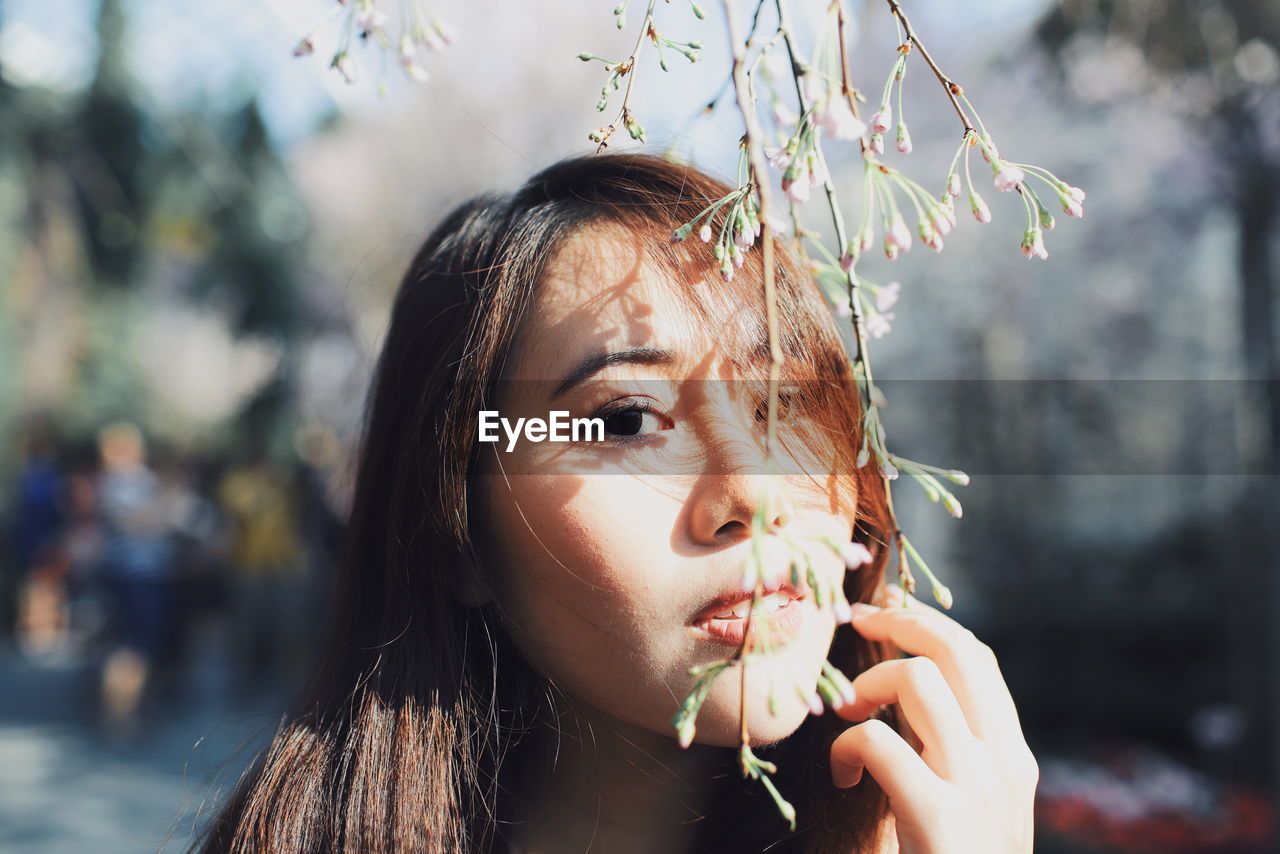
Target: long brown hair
[[412, 727]]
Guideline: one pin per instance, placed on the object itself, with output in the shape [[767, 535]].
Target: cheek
[[586, 562]]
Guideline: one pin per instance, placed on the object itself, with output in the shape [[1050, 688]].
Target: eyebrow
[[599, 361]]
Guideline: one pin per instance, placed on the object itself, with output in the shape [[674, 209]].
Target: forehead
[[603, 290]]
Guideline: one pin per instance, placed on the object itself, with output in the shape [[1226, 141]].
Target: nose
[[723, 506]]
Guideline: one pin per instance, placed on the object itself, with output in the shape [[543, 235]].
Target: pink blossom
[[1071, 206], [1033, 244], [929, 236], [745, 238], [898, 233], [854, 555], [887, 296], [881, 119], [370, 18], [953, 184], [940, 219], [981, 212], [798, 189], [304, 47], [847, 261], [817, 171], [1075, 193], [877, 143], [1008, 176], [837, 120], [878, 326], [779, 158]]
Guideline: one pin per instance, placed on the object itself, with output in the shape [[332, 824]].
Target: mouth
[[778, 616]]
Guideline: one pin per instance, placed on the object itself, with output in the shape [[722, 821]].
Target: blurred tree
[[108, 158], [1220, 59], [259, 224]]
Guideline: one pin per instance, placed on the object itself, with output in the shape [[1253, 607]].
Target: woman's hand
[[972, 787]]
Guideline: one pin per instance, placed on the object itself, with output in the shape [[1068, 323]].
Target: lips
[[725, 617]]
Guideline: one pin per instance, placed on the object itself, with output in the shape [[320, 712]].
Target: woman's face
[[607, 551]]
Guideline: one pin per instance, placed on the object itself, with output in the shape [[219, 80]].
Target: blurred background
[[200, 236]]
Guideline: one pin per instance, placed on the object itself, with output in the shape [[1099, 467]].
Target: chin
[[718, 719]]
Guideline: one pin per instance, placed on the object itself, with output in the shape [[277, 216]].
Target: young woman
[[513, 629]]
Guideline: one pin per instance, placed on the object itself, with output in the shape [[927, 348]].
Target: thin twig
[[629, 66], [952, 88]]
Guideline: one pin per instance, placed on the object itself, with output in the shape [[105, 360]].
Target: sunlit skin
[[599, 574]]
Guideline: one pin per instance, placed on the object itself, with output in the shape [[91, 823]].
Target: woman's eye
[[631, 420]]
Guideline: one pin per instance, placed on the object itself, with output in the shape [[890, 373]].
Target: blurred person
[[267, 570], [512, 632], [39, 585], [137, 564]]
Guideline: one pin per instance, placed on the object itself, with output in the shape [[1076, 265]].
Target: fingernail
[[862, 609]]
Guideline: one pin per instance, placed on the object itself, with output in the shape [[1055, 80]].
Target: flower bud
[[888, 471], [1033, 244], [370, 19], [877, 143], [981, 212], [815, 704], [898, 233], [346, 66], [304, 47], [953, 506], [953, 184], [863, 458], [904, 139], [881, 119], [1007, 176], [943, 595], [704, 233], [854, 555], [940, 219]]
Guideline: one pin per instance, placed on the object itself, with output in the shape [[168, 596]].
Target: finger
[[968, 664], [896, 767], [930, 707]]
